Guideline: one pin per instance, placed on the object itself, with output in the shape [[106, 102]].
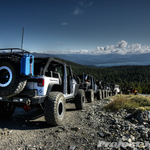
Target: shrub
[[128, 102]]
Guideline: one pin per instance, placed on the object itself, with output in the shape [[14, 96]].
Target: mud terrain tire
[[107, 93], [55, 108], [11, 83], [80, 99], [99, 95], [110, 93], [90, 95], [6, 110], [103, 94]]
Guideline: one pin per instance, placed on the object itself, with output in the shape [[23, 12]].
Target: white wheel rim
[[10, 76], [60, 109]]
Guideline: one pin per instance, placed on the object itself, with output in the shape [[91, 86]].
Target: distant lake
[[122, 64]]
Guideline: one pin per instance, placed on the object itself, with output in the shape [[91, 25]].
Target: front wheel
[[55, 108], [80, 99], [6, 110], [90, 95]]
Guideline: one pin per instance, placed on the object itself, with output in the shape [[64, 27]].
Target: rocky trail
[[83, 130]]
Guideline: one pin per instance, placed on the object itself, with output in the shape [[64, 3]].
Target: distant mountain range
[[87, 59]]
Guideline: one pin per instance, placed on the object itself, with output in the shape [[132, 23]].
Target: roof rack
[[13, 51]]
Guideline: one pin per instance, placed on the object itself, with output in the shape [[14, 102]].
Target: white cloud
[[81, 4], [78, 51], [112, 47], [135, 46], [78, 11], [64, 24], [107, 48], [122, 47], [99, 48], [122, 44]]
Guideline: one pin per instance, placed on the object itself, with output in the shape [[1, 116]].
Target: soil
[[82, 130], [28, 130]]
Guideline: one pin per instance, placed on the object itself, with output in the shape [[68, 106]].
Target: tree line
[[135, 76]]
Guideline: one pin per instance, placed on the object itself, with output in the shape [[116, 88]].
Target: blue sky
[[63, 25]]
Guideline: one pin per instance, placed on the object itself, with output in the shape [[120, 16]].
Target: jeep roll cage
[[47, 61]]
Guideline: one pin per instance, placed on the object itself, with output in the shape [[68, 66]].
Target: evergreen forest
[[135, 76]]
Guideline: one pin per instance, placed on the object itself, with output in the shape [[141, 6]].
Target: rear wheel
[[80, 99], [106, 93], [55, 108], [90, 95], [99, 95], [103, 94], [6, 110], [110, 93]]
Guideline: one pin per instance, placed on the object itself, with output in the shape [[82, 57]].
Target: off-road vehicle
[[103, 88], [129, 90], [30, 82], [92, 87], [114, 88]]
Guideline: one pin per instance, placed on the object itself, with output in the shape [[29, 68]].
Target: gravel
[[83, 130]]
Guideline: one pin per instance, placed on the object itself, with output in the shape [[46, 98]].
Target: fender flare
[[54, 87]]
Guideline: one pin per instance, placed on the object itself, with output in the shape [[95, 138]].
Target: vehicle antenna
[[22, 37]]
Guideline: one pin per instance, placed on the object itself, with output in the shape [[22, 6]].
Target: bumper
[[24, 100]]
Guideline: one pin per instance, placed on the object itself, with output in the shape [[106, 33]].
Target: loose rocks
[[83, 130]]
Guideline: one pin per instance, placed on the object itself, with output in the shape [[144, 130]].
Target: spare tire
[[11, 83]]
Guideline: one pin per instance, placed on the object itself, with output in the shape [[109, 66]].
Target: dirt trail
[[28, 130]]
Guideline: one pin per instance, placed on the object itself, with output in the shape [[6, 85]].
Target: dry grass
[[128, 102]]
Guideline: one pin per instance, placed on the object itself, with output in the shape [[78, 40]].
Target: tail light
[[40, 82], [26, 108]]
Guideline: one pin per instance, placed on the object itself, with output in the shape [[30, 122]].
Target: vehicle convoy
[[129, 90], [92, 87], [99, 89], [105, 88], [108, 89], [30, 82], [114, 88]]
